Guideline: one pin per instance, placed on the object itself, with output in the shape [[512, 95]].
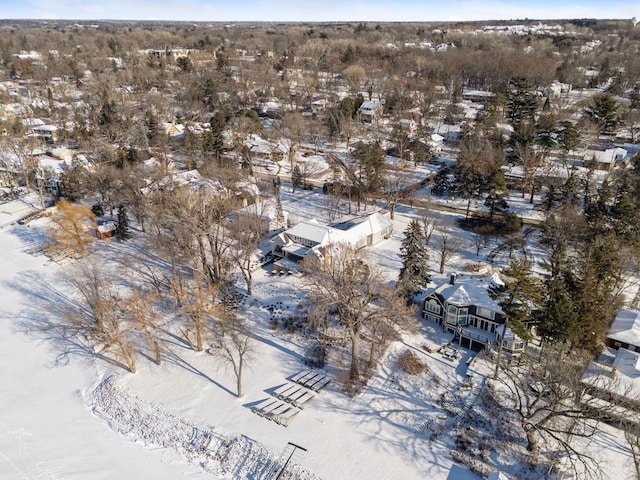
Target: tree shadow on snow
[[43, 320], [170, 356]]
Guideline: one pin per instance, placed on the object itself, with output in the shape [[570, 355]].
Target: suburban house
[[245, 190], [477, 96], [463, 307], [435, 142], [607, 159], [48, 133], [105, 230], [308, 236], [319, 106], [616, 372], [370, 110], [173, 129], [450, 133], [625, 331]]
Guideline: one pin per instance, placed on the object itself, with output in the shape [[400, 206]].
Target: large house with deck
[[462, 306]]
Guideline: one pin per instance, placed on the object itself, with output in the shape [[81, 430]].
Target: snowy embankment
[[149, 424]]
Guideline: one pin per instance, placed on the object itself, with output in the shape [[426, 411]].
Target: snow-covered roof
[[45, 128], [32, 122], [616, 154], [53, 164], [310, 230], [173, 129], [349, 230], [627, 362], [369, 106], [62, 153], [497, 476], [248, 187], [359, 227], [626, 327], [297, 250], [467, 291], [622, 376], [193, 179], [106, 227]]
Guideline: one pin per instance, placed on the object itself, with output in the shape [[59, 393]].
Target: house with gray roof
[[309, 236], [463, 307]]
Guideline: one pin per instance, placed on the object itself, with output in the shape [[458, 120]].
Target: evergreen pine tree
[[518, 297], [558, 319], [280, 221], [598, 291], [122, 227], [414, 273]]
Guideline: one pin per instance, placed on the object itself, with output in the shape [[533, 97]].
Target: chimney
[[452, 279]]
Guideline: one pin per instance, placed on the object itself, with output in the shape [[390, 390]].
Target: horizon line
[[526, 19]]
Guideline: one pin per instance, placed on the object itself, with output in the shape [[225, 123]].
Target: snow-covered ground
[[64, 414]]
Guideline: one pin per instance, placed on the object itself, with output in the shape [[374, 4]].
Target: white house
[[607, 159], [615, 375], [436, 142], [319, 106], [370, 110], [48, 133], [309, 236], [625, 331]]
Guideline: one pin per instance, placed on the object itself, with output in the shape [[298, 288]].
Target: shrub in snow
[[410, 363]]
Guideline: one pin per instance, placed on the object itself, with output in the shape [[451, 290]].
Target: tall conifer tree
[[122, 227], [414, 273]]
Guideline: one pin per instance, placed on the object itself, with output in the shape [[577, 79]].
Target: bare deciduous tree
[[233, 343], [99, 319], [447, 244], [555, 407], [197, 306], [246, 231], [139, 305], [397, 186], [430, 221], [343, 282], [23, 153]]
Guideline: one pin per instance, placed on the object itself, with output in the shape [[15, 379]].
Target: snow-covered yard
[[65, 414]]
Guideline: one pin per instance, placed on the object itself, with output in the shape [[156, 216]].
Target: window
[[486, 313], [462, 315], [433, 319], [452, 315], [432, 306]]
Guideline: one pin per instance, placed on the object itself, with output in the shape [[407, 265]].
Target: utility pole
[[284, 467]]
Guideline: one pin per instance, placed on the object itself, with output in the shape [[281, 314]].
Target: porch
[[474, 338]]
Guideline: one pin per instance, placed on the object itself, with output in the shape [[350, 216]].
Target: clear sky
[[318, 10]]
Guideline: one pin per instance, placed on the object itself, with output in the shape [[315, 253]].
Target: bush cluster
[[410, 363]]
